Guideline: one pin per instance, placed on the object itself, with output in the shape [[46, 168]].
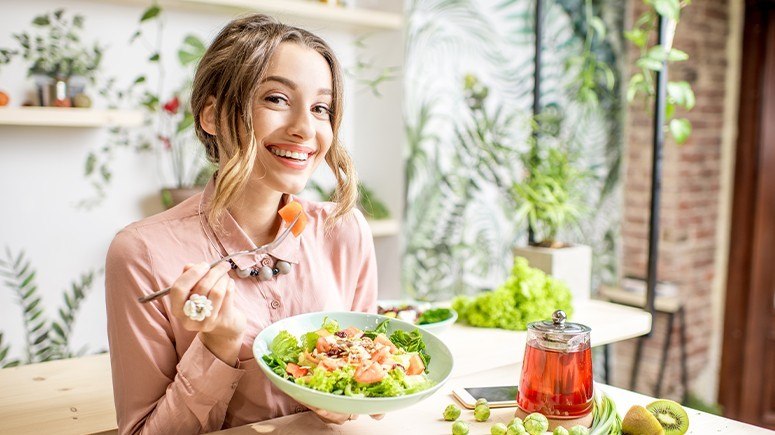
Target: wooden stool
[[670, 306]]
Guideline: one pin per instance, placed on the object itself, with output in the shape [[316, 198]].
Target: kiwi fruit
[[639, 421], [670, 415]]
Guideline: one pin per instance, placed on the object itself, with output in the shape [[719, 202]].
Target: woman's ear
[[207, 117]]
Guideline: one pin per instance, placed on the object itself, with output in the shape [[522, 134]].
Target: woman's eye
[[276, 99], [322, 110]]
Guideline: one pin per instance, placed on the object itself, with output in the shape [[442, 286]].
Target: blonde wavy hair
[[231, 71]]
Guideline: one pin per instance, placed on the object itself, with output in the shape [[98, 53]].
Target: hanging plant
[[652, 59], [169, 122]]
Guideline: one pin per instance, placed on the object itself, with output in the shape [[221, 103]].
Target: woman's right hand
[[222, 332]]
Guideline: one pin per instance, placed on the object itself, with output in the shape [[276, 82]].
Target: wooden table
[[425, 417], [72, 396], [75, 396]]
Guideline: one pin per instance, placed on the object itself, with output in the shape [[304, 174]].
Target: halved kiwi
[[670, 415], [639, 421]]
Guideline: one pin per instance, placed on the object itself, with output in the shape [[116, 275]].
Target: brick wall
[[690, 199]]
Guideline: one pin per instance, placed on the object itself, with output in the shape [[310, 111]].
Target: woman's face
[[291, 118]]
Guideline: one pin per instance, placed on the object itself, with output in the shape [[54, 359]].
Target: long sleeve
[[365, 298], [156, 392]]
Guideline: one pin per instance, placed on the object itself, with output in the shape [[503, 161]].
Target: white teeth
[[291, 154]]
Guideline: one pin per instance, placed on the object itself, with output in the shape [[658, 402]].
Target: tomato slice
[[289, 212]]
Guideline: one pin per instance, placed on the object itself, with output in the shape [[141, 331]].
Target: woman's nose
[[300, 124]]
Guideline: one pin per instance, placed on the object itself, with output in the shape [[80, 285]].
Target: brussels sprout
[[536, 423], [498, 429], [481, 401], [559, 430], [578, 430], [451, 412], [516, 422], [460, 428], [516, 429], [482, 412]]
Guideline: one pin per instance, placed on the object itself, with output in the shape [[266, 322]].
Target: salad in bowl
[[352, 362], [431, 317]]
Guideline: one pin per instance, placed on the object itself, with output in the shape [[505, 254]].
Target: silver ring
[[198, 307]]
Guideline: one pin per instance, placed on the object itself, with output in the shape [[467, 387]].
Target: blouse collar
[[232, 238]]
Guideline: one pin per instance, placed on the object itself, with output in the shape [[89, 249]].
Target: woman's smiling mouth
[[291, 155]]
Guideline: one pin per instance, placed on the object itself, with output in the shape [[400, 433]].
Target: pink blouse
[[164, 379]]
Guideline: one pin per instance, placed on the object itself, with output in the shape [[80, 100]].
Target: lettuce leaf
[[434, 315], [411, 342], [309, 341], [330, 325], [528, 295], [285, 347], [380, 329]]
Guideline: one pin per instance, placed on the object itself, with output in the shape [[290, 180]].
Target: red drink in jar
[[557, 370]]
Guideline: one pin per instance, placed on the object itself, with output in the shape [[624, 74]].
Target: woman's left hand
[[336, 418]]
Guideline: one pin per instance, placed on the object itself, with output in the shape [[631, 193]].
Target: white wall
[[41, 168]]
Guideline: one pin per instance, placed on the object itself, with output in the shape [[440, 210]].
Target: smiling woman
[[267, 107]]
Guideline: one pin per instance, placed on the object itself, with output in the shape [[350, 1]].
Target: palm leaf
[[61, 329], [5, 361], [20, 278]]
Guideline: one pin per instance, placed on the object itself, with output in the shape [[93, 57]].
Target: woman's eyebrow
[[293, 86]]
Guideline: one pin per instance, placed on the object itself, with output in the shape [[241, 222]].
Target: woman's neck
[[256, 213]]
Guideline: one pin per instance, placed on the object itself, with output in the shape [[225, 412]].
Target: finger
[[331, 417], [216, 296], [182, 286], [228, 296], [377, 416], [208, 281]]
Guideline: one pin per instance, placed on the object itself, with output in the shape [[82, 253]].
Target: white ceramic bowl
[[439, 368]]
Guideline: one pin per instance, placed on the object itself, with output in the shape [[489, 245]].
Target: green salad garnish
[[352, 362], [528, 295], [434, 315]]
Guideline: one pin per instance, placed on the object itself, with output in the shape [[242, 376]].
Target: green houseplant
[[652, 56], [551, 197], [45, 339], [168, 122], [371, 206], [58, 58]]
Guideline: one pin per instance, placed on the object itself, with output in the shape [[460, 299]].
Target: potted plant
[[551, 199], [372, 207], [61, 62], [6, 55], [188, 168], [169, 120]]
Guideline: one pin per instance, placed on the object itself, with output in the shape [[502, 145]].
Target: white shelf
[[306, 11], [384, 227], [68, 117]]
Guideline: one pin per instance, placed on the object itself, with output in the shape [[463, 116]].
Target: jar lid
[[558, 325]]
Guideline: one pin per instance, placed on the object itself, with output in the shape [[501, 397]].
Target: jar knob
[[558, 318]]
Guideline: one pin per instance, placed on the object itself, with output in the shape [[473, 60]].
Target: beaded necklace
[[263, 271]]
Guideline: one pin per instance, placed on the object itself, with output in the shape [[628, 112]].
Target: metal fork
[[263, 249]]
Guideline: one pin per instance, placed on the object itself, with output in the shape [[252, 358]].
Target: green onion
[[605, 419]]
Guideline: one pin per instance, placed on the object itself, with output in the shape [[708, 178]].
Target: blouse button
[[234, 386], [266, 261], [275, 304], [299, 409]]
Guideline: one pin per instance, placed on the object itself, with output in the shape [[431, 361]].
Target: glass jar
[[557, 369]]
